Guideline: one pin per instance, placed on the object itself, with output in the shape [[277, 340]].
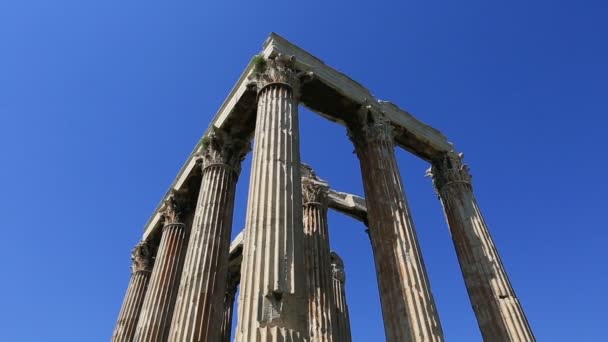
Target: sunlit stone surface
[[142, 258], [408, 306], [272, 305], [321, 302], [292, 288], [498, 311]]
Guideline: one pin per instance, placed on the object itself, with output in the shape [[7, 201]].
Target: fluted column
[[499, 313], [341, 319], [231, 285], [408, 306], [155, 318], [142, 262], [199, 308], [321, 306], [272, 301]]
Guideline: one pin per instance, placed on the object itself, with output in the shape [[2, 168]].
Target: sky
[[102, 101]]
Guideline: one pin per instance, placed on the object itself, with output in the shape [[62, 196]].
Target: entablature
[[330, 93]]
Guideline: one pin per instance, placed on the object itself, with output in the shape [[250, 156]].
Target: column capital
[[221, 149], [314, 189], [175, 208], [370, 126], [277, 70], [142, 258], [337, 267], [449, 169]]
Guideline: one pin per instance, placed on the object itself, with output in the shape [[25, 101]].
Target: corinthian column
[[499, 313], [199, 308], [341, 326], [408, 307], [272, 304], [155, 317], [142, 259], [321, 304]]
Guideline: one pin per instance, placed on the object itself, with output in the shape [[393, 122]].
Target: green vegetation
[[205, 142], [259, 64]]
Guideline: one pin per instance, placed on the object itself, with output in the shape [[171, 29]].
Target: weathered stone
[[229, 297], [341, 327], [332, 94], [159, 302], [143, 260], [272, 305], [348, 204], [499, 313], [321, 305], [408, 306], [199, 307]]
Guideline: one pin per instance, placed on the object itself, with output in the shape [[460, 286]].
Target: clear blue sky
[[101, 102]]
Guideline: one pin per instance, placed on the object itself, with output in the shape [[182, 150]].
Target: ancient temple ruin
[[186, 270]]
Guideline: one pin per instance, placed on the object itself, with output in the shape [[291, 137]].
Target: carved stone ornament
[[307, 171], [372, 126], [314, 190], [174, 208], [337, 267], [280, 69], [449, 169], [142, 258], [220, 149]]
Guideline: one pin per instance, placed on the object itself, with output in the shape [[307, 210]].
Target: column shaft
[[228, 309], [341, 331], [199, 308], [131, 306], [498, 311], [408, 306], [321, 306], [272, 303], [155, 318]]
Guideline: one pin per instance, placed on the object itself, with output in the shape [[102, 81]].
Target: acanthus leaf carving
[[174, 208], [220, 149], [449, 169], [314, 190], [371, 126], [142, 258], [280, 69]]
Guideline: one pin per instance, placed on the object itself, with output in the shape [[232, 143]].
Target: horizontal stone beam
[[331, 93], [338, 97], [351, 205]]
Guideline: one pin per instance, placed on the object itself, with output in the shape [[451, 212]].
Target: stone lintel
[[331, 94], [351, 205], [337, 97]]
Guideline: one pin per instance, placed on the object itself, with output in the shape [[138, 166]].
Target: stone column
[[231, 285], [199, 307], [142, 259], [341, 330], [155, 318], [408, 306], [272, 301], [499, 313], [321, 304]]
